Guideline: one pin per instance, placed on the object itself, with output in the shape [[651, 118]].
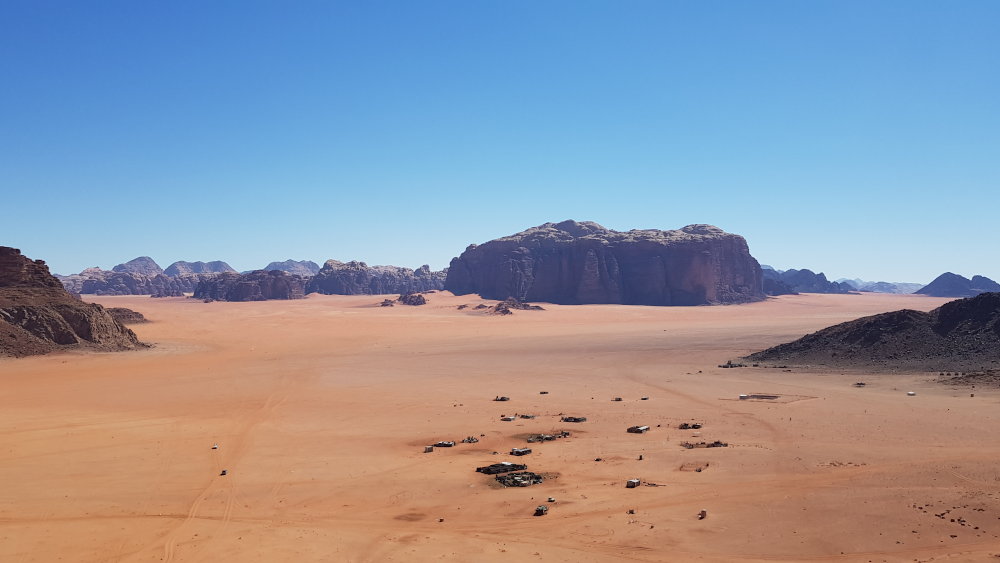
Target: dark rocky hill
[[38, 315], [801, 281], [954, 285], [582, 262], [358, 278], [142, 265], [181, 268], [960, 335], [297, 267], [259, 285]]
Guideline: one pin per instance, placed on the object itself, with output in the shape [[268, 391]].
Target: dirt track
[[322, 407]]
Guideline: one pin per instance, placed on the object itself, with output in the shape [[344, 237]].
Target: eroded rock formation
[[786, 282], [358, 278], [38, 315], [259, 285], [303, 268], [575, 263], [954, 285], [181, 268]]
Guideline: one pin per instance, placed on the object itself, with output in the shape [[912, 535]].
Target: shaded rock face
[[358, 278], [181, 268], [142, 265], [801, 281], [259, 285], [37, 315], [575, 263], [954, 285], [304, 268], [126, 316], [94, 281], [962, 334]]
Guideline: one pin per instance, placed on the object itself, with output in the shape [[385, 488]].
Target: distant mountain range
[[954, 285], [790, 282]]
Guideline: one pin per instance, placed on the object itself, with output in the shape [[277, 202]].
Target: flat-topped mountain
[[37, 315], [259, 285], [358, 278], [960, 335], [954, 285], [181, 267], [582, 262], [142, 265], [297, 267]]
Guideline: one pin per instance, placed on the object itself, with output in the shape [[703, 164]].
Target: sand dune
[[321, 409]]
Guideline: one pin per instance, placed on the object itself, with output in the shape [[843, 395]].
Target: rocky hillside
[[259, 285], [582, 262], [954, 285], [184, 268], [298, 267], [777, 282], [358, 278], [142, 265], [37, 315], [960, 335]]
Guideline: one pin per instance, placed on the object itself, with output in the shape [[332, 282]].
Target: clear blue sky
[[858, 138]]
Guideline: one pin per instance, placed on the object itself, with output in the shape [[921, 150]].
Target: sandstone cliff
[[37, 315], [778, 282], [142, 265], [95, 281], [298, 267], [259, 285], [181, 268], [358, 278], [575, 263]]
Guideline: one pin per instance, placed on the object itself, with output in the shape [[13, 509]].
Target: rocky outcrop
[[358, 278], [259, 285], [303, 268], [94, 281], [412, 299], [960, 335], [184, 268], [38, 315], [142, 265], [126, 316], [575, 263], [954, 285], [777, 282]]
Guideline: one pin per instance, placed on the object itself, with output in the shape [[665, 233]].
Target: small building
[[528, 416], [637, 429], [502, 467], [506, 418], [617, 399], [520, 451], [444, 444], [574, 419], [632, 483], [428, 449], [501, 398], [541, 510]]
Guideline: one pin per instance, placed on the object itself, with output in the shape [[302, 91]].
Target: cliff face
[[142, 265], [37, 315], [801, 281], [297, 267], [182, 268], [575, 263], [94, 281], [259, 285], [358, 278]]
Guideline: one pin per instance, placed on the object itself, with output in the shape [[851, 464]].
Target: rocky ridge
[[38, 315], [259, 285], [954, 285], [358, 278], [298, 267], [788, 282], [960, 335], [582, 262]]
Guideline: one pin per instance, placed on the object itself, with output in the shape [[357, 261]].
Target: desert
[[321, 409]]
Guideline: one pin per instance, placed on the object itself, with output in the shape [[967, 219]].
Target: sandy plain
[[322, 407]]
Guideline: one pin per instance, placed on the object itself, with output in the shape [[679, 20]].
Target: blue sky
[[854, 137]]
